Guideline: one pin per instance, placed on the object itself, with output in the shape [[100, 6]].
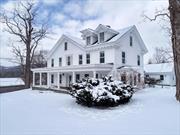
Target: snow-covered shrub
[[101, 92]]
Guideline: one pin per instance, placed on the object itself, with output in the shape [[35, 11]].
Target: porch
[[62, 77]]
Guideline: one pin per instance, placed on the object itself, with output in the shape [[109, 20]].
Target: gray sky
[[69, 17]]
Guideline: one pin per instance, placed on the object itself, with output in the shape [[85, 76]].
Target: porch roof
[[89, 67]]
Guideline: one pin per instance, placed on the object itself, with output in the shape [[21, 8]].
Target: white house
[[102, 51], [163, 72]]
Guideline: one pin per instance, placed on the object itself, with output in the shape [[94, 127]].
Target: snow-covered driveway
[[152, 111]]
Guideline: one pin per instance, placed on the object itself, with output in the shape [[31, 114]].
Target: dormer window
[[101, 35], [65, 46], [88, 40]]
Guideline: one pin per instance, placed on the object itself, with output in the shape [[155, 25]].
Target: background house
[[163, 72]]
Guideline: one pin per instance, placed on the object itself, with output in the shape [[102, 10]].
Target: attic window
[[88, 40], [131, 41], [65, 46], [101, 37]]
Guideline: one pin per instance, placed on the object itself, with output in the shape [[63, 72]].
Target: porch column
[[48, 79], [33, 78], [58, 80], [73, 77], [94, 74], [40, 78]]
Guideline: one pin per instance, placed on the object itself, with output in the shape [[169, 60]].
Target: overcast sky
[[71, 16]]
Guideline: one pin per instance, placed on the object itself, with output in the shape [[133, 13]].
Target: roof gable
[[76, 41]]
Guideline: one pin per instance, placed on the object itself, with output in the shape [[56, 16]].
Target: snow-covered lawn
[[11, 81], [152, 111]]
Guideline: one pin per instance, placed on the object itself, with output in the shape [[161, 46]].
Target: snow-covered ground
[[152, 111], [11, 81]]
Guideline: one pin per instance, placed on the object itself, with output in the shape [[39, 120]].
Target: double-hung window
[[123, 57], [88, 58], [52, 62], [60, 62], [102, 57], [80, 59]]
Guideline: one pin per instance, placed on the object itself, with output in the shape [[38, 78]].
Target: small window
[[80, 59], [161, 77], [52, 78], [131, 41], [88, 40], [65, 46], [60, 78], [52, 62], [77, 77], [101, 37], [88, 58], [102, 57], [123, 57], [60, 62], [68, 60], [138, 60], [86, 75]]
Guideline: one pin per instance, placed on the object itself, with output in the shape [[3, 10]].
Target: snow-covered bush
[[101, 92]]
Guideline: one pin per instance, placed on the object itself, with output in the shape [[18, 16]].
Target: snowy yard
[[11, 81], [152, 111]]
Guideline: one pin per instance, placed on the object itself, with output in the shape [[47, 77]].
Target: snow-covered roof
[[121, 32], [159, 68], [78, 40]]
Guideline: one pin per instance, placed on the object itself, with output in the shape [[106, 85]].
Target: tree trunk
[[28, 68], [174, 8]]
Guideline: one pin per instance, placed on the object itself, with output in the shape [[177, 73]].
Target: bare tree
[[23, 23], [162, 55], [172, 14]]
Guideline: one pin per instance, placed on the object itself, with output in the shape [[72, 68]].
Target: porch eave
[[90, 67]]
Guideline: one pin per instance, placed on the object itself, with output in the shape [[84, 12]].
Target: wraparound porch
[[61, 77]]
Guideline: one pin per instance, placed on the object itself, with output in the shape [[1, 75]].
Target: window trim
[[131, 41], [100, 37], [123, 54], [162, 77], [65, 46], [101, 57], [68, 61], [80, 59], [60, 61], [88, 59], [52, 62]]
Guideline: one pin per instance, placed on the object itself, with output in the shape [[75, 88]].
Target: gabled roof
[[88, 30], [159, 68], [105, 27], [77, 41]]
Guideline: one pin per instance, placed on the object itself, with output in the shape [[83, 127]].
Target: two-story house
[[102, 51]]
